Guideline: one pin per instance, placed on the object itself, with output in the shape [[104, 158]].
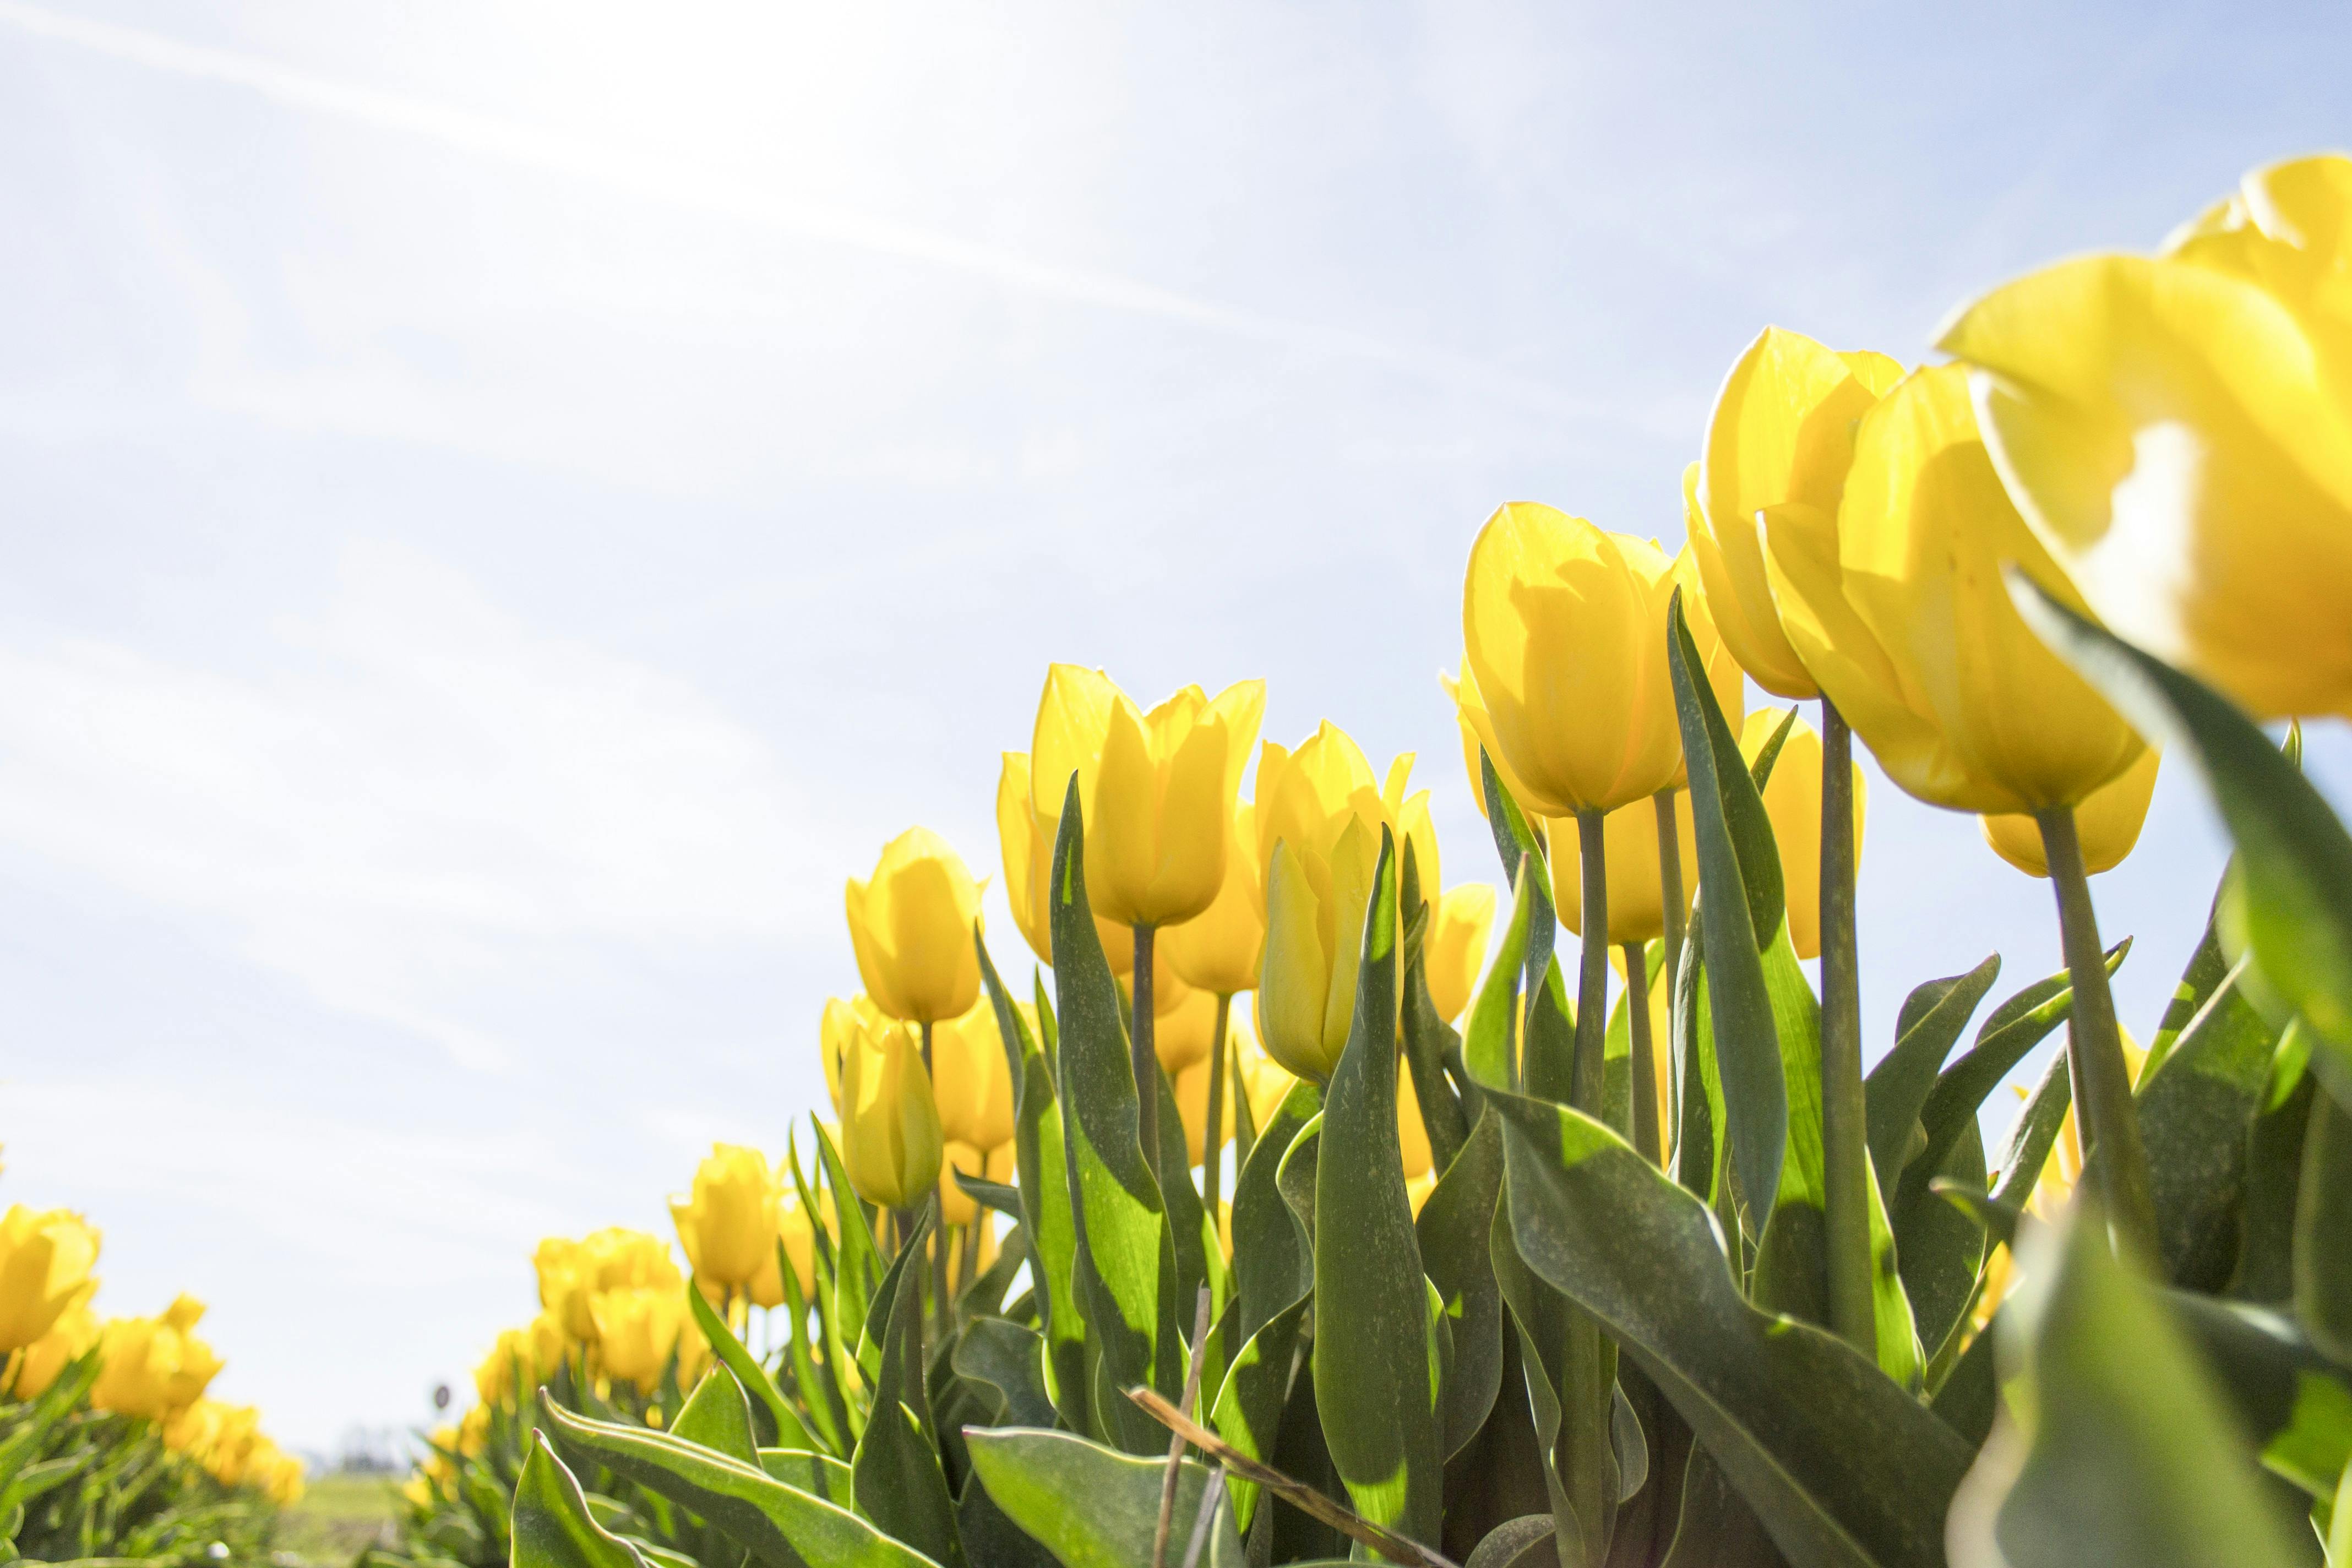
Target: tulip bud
[[1782, 431], [912, 926], [1899, 607], [728, 1224], [2178, 431], [638, 1329], [46, 1257], [1028, 842], [1637, 902], [1218, 949], [972, 1078], [1792, 799], [571, 1272], [890, 1124], [1455, 950], [2107, 823], [1314, 935]]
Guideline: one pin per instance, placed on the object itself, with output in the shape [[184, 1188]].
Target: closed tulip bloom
[[638, 1329], [1455, 950], [972, 1078], [1217, 950], [1563, 630], [2108, 824], [615, 1257], [1899, 607], [152, 1367], [1637, 904], [912, 927], [2177, 429], [1792, 799], [1781, 432], [1303, 796], [46, 1257], [68, 1340], [728, 1223], [889, 1123], [1027, 841], [836, 1032]]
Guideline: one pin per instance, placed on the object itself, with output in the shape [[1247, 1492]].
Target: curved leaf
[[775, 1423], [1897, 1088], [717, 1416], [1090, 1507], [2196, 1112], [1452, 1229], [551, 1525], [1009, 1360], [896, 1473]]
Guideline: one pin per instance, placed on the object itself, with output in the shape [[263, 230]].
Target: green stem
[[1589, 1077], [1670, 883], [1213, 1139], [1845, 1124], [2113, 1156], [1643, 1062], [1140, 1050]]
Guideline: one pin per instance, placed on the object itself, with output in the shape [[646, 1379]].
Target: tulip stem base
[[1588, 1078], [1142, 1053], [1642, 1061], [1846, 1124], [2113, 1156]]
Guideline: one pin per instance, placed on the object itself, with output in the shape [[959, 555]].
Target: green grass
[[338, 1514]]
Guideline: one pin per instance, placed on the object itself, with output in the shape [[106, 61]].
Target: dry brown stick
[[1298, 1494], [1176, 1443]]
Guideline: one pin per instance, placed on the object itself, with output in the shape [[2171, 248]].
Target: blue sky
[[508, 504]]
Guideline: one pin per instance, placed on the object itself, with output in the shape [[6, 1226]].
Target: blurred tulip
[[522, 1359], [638, 1329], [1792, 799], [836, 1032], [728, 1223], [1183, 1026], [1898, 607], [956, 1205], [2108, 824], [1782, 431], [972, 1079], [1563, 630], [68, 1339], [1192, 1105], [890, 1124], [1265, 1080], [46, 1257], [570, 1272], [912, 926], [1637, 903], [155, 1366], [1455, 950], [2179, 432], [1028, 846], [799, 1238], [1218, 949]]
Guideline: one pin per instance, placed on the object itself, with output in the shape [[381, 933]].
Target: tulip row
[[108, 1445], [1512, 1264]]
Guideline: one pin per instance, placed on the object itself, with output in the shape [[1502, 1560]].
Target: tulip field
[[1305, 1193]]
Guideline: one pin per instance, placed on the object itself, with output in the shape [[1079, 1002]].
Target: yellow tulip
[[1563, 630], [1265, 1080], [956, 1205], [1183, 1026], [890, 1123], [1218, 949], [1413, 1133], [912, 926], [1455, 950], [68, 1339], [2178, 431], [798, 1235], [155, 1366], [1781, 432], [2107, 823], [1028, 847], [533, 1353], [1305, 795], [1792, 799], [1898, 607], [972, 1079], [728, 1223], [638, 1329], [1192, 1105], [46, 1257], [836, 1032], [278, 1473], [1157, 788], [1628, 849], [1418, 1188], [570, 1272]]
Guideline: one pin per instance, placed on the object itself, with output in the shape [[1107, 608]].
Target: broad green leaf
[[1273, 1280], [2291, 896], [2323, 1229], [1452, 1229], [1548, 1049], [1091, 1507], [1697, 1161], [717, 1416], [2293, 1400], [1188, 1216], [552, 1524], [819, 1475], [2120, 1449], [1522, 1542], [860, 1271], [2194, 1114], [1716, 1528], [775, 1422], [2034, 1134], [1294, 1177], [895, 1471], [1376, 1361], [1842, 1465], [1490, 1050], [63, 1395], [1010, 1360], [2208, 967], [1899, 1087], [1739, 913], [1126, 1268], [837, 1337], [778, 1524], [1522, 847], [1428, 1038], [1247, 1410], [828, 1412], [2265, 1270], [993, 1539], [1942, 1250]]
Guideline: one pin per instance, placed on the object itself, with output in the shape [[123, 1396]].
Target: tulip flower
[[1899, 608], [1792, 799], [638, 1329], [153, 1367], [2178, 431], [912, 926], [972, 1078], [956, 1205], [728, 1223], [570, 1272], [889, 1123], [1028, 850], [1217, 950], [67, 1341], [1455, 950], [1782, 431], [523, 1359], [46, 1257], [1637, 909], [2108, 822]]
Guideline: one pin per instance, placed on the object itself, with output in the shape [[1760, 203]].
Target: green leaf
[[552, 1526], [1009, 1360], [2292, 895], [778, 1524], [1522, 847], [775, 1424], [1090, 1507], [2293, 1400], [1738, 917], [2206, 969], [1126, 1269], [2265, 1270], [2323, 1229], [1842, 1465], [719, 1417], [858, 1273], [819, 1475], [895, 1471], [1248, 1409], [1188, 1216], [1489, 1050], [1376, 1361], [1428, 1038], [1452, 1229], [2120, 1449], [1899, 1087], [64, 1394], [2196, 1113], [1275, 1278]]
